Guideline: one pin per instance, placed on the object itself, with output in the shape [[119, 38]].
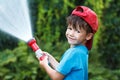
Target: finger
[[45, 52]]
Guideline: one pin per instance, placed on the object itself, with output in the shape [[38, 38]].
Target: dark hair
[[75, 21]]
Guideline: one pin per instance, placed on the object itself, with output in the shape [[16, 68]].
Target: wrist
[[45, 65]]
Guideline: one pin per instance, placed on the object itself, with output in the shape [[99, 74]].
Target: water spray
[[32, 43], [15, 20]]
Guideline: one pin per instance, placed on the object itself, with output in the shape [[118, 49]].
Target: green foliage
[[18, 64], [7, 38], [109, 42], [97, 71]]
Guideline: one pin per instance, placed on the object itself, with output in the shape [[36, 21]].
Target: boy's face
[[76, 36]]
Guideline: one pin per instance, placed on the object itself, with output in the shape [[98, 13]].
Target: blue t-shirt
[[74, 63]]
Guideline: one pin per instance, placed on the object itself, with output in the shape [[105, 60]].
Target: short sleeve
[[70, 61]]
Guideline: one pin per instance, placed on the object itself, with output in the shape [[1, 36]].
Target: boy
[[82, 25]]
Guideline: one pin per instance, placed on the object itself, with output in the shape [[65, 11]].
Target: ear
[[89, 36]]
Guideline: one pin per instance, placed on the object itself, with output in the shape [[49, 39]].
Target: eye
[[77, 31], [69, 28]]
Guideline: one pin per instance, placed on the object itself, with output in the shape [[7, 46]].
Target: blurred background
[[48, 18]]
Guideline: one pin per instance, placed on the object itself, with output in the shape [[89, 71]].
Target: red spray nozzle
[[33, 45], [36, 49]]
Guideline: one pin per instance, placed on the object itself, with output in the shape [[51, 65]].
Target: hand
[[52, 61], [44, 61], [49, 55]]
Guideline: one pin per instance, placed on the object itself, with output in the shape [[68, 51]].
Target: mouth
[[71, 39]]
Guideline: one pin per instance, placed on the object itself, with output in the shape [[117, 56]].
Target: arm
[[54, 75], [53, 62]]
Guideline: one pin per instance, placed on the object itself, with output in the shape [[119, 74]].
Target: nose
[[71, 32]]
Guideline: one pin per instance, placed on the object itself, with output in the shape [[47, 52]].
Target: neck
[[72, 46], [77, 44]]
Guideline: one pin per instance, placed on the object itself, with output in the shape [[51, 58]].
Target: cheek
[[66, 33], [79, 37]]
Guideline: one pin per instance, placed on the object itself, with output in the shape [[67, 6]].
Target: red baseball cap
[[90, 17]]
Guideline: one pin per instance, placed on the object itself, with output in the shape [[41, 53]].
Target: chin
[[71, 43]]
